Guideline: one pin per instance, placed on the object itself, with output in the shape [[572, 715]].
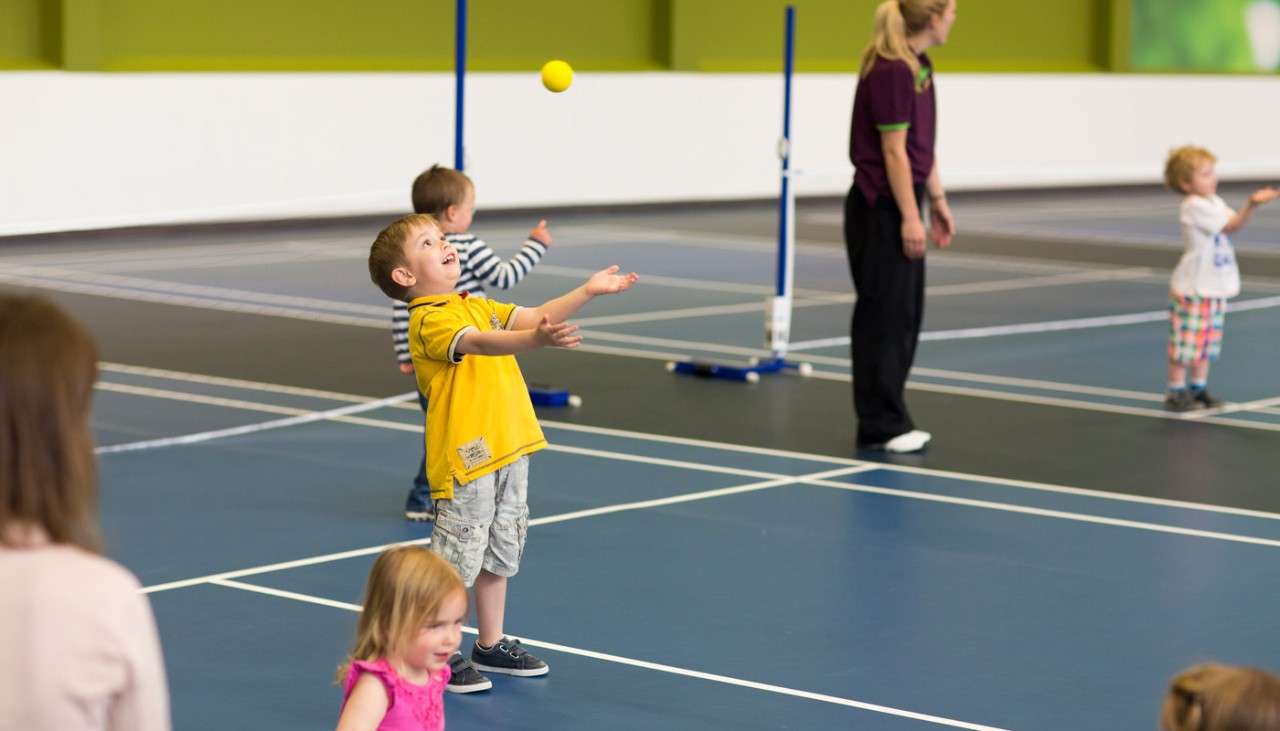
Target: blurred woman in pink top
[[77, 639]]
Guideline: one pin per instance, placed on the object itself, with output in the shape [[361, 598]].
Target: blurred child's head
[[410, 258], [48, 474], [448, 195], [1189, 169], [1215, 697], [414, 606]]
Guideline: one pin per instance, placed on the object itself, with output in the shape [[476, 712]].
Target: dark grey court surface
[[705, 554]]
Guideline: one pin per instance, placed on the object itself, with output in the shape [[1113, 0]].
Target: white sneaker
[[912, 441]]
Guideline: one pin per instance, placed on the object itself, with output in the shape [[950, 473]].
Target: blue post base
[[552, 396], [749, 372]]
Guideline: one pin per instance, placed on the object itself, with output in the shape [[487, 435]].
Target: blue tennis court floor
[[674, 583]]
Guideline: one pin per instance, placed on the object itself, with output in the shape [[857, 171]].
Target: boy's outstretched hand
[[609, 281], [559, 335], [541, 233], [1264, 195]]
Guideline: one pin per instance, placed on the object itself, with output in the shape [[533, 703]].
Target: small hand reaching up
[[1264, 195], [609, 281], [541, 233], [559, 335]]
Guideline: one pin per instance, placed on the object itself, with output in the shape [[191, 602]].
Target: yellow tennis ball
[[557, 75]]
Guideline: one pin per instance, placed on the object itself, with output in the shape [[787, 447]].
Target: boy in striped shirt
[[450, 197]]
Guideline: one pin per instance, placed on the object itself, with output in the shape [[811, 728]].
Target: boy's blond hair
[[438, 188], [1182, 164], [406, 587], [1214, 697], [387, 253]]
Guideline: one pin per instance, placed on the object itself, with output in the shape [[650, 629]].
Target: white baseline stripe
[[254, 428], [545, 520], [200, 302], [283, 565], [235, 295], [1081, 323], [644, 664], [708, 444], [1059, 514], [230, 382], [376, 423], [1065, 403], [820, 478]]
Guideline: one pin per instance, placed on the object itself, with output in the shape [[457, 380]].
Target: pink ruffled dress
[[411, 707]]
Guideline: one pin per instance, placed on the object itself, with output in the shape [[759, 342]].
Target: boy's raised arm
[[510, 342], [605, 281]]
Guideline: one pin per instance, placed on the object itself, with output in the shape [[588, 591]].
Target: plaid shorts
[[1195, 328], [484, 525]]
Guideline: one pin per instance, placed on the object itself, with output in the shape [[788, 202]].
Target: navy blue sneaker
[[419, 507], [465, 678], [508, 657], [1202, 397]]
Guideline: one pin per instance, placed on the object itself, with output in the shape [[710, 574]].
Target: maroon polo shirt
[[890, 97]]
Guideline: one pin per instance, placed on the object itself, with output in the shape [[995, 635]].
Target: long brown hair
[[895, 22], [406, 587], [48, 473], [1214, 697]]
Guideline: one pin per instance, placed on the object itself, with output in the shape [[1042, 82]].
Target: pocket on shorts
[[458, 542], [522, 532]]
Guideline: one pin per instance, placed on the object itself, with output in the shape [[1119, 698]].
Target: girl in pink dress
[[394, 679]]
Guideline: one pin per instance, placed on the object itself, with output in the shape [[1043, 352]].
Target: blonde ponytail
[[895, 21]]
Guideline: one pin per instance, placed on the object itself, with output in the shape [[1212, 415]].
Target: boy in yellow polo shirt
[[480, 424]]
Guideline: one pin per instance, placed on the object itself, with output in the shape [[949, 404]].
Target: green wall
[[30, 34], [508, 35]]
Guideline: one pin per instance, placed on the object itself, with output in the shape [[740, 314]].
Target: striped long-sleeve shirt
[[480, 267]]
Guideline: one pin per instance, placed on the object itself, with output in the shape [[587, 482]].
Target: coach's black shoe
[[1202, 397], [508, 657], [465, 678], [1180, 401]]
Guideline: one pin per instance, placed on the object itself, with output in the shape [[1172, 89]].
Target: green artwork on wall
[[1205, 35]]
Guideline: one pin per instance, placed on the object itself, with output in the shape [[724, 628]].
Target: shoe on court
[[465, 678], [912, 441], [1180, 402], [419, 515], [508, 657], [1202, 397], [418, 506]]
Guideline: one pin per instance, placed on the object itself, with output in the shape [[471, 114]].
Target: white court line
[[231, 382], [1064, 403], [778, 481], [234, 295], [642, 664], [1263, 405], [1058, 514], [306, 418], [305, 308], [918, 385], [198, 302], [282, 566], [850, 466], [196, 398], [1027, 328]]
